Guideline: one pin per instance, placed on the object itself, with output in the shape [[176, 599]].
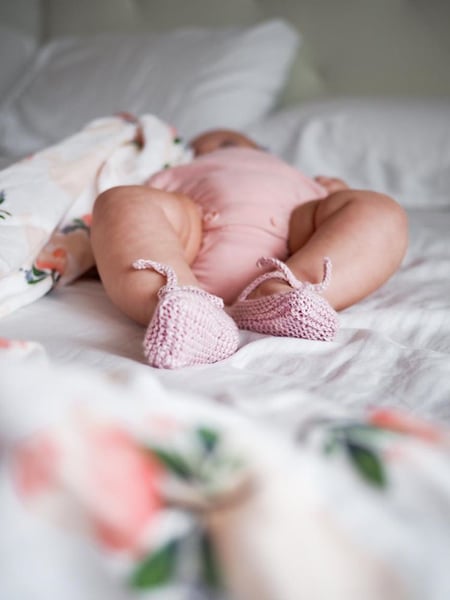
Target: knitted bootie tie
[[189, 326], [300, 313]]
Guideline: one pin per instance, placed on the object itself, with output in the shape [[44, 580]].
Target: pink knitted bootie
[[189, 326], [301, 313]]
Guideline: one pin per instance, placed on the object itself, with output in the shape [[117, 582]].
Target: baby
[[239, 227]]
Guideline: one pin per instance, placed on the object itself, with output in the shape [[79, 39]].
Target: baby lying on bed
[[239, 226]]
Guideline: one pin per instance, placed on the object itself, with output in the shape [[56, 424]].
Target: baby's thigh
[[182, 214], [302, 224], [128, 216], [226, 263]]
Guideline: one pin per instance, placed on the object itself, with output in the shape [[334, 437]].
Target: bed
[[294, 469]]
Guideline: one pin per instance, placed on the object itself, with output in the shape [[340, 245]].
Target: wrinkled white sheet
[[393, 348]]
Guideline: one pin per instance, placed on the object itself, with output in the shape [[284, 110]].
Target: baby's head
[[220, 138]]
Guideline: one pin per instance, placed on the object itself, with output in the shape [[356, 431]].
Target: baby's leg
[[132, 222], [365, 235], [186, 325]]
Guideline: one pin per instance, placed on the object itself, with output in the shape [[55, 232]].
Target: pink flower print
[[7, 344], [127, 116], [87, 219], [52, 260], [95, 473], [401, 422], [175, 135], [123, 483], [37, 466], [4, 343]]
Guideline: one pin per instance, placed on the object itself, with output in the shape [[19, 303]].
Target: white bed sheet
[[393, 348]]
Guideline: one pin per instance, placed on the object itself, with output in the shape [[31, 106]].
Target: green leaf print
[[157, 569], [208, 438], [359, 441], [74, 225], [3, 213], [35, 275], [367, 463], [174, 462]]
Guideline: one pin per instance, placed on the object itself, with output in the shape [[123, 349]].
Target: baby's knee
[[391, 221], [110, 197], [393, 214], [119, 201], [378, 207]]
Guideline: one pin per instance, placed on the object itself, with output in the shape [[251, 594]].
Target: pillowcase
[[196, 79], [397, 146]]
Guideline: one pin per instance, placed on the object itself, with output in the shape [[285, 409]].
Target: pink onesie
[[246, 197]]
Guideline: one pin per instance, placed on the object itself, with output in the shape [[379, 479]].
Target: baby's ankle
[[269, 287]]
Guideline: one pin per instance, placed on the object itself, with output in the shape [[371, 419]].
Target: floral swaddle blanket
[[46, 199], [113, 487]]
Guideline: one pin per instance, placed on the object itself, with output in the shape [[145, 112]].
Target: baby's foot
[[295, 309], [189, 326], [268, 288]]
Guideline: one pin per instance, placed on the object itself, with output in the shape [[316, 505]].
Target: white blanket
[[46, 200]]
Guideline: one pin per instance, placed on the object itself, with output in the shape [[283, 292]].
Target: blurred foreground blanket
[[115, 488], [46, 199]]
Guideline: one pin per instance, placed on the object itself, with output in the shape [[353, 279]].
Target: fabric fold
[[46, 199]]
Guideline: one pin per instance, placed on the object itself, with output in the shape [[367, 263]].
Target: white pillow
[[397, 146], [194, 78]]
